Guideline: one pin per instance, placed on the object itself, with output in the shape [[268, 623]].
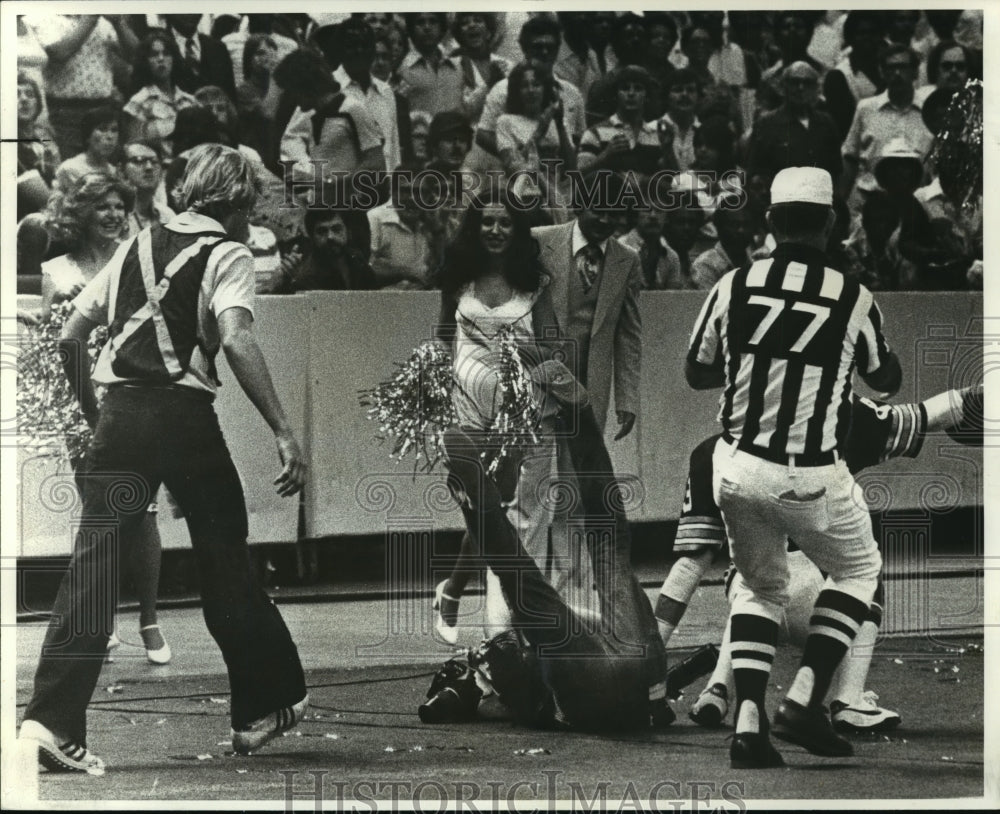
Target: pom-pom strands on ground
[[47, 411], [415, 406], [958, 147], [514, 426]]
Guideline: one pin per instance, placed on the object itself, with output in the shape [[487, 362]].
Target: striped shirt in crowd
[[789, 331]]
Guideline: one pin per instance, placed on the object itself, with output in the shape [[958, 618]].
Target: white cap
[[802, 185]]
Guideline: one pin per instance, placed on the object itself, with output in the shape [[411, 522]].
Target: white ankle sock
[[802, 688], [748, 718]]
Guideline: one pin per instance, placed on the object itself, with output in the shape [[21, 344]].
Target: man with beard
[[330, 261]]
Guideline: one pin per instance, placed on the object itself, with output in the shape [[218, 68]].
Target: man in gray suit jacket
[[595, 292]]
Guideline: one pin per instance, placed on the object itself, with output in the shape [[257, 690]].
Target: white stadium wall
[[325, 347]]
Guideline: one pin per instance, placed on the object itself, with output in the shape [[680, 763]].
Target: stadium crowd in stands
[[711, 105]]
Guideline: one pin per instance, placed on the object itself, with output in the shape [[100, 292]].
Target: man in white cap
[[783, 336]]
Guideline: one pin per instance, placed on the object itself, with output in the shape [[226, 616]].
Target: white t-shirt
[[228, 283]]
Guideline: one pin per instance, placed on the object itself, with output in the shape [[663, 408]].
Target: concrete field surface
[[163, 731]]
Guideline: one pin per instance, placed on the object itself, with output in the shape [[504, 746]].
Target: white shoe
[[114, 641], [711, 707], [160, 655], [66, 757], [448, 632], [863, 715], [269, 727]]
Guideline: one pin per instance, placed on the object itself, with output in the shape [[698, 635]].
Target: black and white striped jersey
[[788, 332]]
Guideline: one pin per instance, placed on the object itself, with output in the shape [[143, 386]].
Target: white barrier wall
[[324, 347]]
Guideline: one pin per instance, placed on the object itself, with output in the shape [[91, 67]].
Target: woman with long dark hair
[[152, 111], [596, 660]]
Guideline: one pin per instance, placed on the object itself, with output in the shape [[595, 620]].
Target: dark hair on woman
[[97, 117], [142, 76], [515, 81], [934, 59], [466, 259], [68, 212], [253, 44]]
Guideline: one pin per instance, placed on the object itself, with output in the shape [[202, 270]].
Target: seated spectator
[[142, 167], [715, 97], [683, 230], [793, 31], [356, 47], [663, 38], [857, 76], [330, 261], [90, 220], [630, 44], [600, 29], [203, 60], [434, 80], [402, 247], [878, 121], [37, 155], [948, 68], [624, 142], [796, 134], [734, 224], [449, 140], [99, 129], [661, 267], [151, 113], [326, 126], [382, 68], [253, 95], [678, 125], [475, 32], [534, 126], [715, 158], [539, 40]]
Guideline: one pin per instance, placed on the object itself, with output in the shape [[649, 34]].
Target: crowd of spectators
[[715, 103]]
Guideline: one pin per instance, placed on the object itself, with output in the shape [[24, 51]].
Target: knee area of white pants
[[862, 589], [746, 601]]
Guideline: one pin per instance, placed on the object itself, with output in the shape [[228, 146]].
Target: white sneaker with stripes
[[266, 729], [863, 715], [60, 757]]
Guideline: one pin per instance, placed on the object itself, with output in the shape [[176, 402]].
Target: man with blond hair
[[172, 296]]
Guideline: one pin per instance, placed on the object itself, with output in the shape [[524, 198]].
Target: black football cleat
[[810, 728], [753, 750]]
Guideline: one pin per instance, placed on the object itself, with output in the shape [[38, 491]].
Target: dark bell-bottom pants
[[146, 436]]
